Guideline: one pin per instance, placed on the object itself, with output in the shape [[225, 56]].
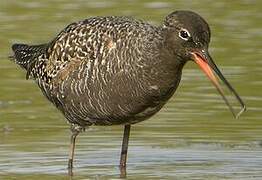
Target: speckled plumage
[[118, 70], [105, 70]]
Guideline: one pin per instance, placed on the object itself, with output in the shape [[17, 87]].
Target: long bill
[[205, 62]]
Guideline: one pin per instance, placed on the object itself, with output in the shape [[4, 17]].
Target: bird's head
[[188, 36]]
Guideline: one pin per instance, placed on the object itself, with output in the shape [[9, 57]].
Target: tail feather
[[26, 55]]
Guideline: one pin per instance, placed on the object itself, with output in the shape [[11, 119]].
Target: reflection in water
[[194, 136]]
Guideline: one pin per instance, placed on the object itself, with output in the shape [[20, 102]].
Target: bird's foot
[[122, 171], [70, 167]]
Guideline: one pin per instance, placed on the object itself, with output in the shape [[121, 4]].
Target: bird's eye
[[184, 34]]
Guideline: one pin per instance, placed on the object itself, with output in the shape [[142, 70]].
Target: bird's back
[[101, 70]]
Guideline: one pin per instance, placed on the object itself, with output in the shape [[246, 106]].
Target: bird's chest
[[158, 92]]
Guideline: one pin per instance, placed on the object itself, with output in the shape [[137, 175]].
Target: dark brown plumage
[[115, 70]]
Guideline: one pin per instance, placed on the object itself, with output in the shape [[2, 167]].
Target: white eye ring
[[184, 34]]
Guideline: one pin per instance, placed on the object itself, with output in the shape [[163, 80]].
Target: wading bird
[[118, 70]]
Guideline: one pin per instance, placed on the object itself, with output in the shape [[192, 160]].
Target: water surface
[[193, 137]]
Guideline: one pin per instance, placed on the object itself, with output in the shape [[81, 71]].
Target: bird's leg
[[124, 151], [75, 130], [71, 152]]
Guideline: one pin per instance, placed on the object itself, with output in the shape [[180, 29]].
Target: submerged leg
[[75, 130], [124, 151]]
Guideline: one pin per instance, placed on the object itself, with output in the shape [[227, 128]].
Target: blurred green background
[[193, 136]]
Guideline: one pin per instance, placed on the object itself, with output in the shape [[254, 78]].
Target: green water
[[193, 137]]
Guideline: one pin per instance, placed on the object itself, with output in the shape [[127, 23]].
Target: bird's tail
[[26, 55]]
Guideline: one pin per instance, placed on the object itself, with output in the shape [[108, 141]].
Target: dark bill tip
[[207, 65]]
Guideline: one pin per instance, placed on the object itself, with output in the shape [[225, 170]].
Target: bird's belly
[[88, 113], [120, 100], [107, 106]]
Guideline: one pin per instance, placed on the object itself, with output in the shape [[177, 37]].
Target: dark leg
[[75, 130], [124, 151]]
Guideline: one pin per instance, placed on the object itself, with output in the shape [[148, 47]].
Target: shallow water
[[193, 137]]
